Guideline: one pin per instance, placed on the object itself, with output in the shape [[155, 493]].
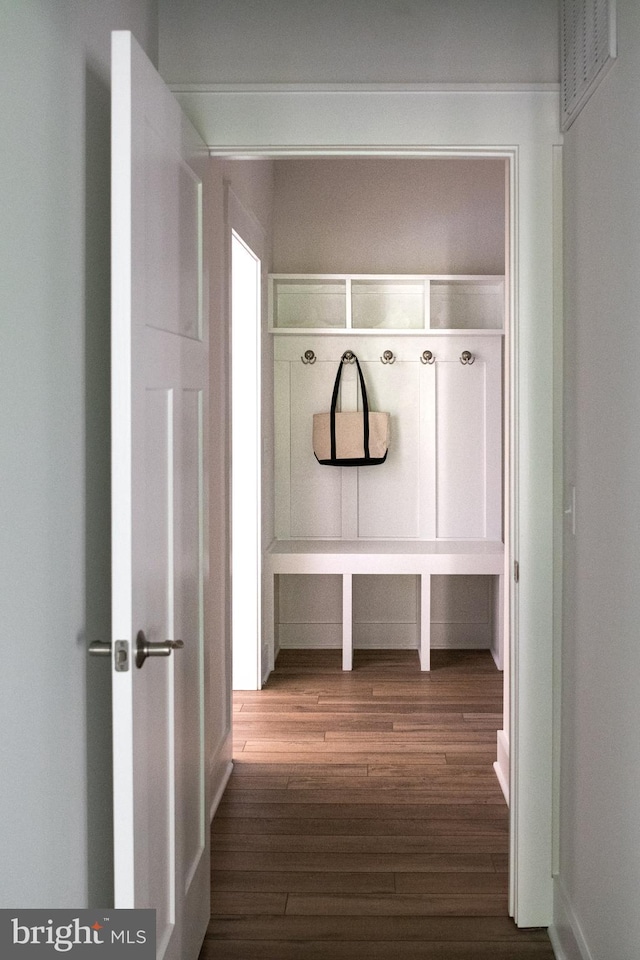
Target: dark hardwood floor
[[363, 818]]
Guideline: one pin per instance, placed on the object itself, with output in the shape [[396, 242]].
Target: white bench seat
[[422, 558]]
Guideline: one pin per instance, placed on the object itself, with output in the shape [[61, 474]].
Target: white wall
[[358, 41], [389, 215], [55, 811], [597, 906]]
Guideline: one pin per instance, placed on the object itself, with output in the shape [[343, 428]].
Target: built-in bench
[[423, 558]]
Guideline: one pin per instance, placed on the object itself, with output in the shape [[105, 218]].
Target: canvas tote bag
[[357, 439]]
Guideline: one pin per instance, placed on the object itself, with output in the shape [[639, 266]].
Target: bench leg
[[425, 621], [497, 642], [268, 621], [347, 621]]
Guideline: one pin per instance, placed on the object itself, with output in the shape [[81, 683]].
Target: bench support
[[425, 621], [347, 621], [430, 557]]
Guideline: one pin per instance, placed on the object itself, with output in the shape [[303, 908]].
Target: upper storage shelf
[[331, 303]]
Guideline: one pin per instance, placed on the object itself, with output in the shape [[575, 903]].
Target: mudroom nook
[[400, 262]]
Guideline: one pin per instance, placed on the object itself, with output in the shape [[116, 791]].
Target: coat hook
[[348, 357], [309, 357], [427, 357], [388, 357], [467, 357]]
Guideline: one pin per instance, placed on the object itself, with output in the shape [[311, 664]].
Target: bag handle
[[334, 404]]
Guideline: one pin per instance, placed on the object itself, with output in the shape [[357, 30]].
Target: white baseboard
[[565, 933], [382, 636], [501, 766], [220, 770]]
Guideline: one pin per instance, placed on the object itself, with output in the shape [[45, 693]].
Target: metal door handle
[[146, 649], [100, 649]]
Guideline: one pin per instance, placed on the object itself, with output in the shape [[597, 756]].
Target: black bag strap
[[334, 404]]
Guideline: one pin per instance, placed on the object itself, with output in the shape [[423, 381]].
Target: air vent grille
[[588, 49]]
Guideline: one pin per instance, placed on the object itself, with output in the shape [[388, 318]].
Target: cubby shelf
[[372, 304]]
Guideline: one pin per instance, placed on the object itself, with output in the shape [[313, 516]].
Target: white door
[[159, 421]]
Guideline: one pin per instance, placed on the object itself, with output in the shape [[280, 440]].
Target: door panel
[[189, 564], [159, 456]]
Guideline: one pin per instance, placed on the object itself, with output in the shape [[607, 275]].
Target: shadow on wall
[[97, 223]]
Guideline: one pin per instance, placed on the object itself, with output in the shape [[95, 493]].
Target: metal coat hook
[[388, 357], [467, 357], [348, 357], [309, 357], [427, 357]]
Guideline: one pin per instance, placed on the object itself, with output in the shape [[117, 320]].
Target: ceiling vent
[[588, 49]]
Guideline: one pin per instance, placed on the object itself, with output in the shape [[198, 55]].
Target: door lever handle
[[100, 649], [144, 648]]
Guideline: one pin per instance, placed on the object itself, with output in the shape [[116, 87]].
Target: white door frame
[[240, 222], [522, 124]]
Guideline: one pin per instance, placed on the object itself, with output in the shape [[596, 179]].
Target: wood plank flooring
[[363, 818]]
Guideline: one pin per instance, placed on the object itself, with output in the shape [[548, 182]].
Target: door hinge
[[516, 571]]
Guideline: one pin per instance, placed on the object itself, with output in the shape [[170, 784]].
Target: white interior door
[[159, 423]]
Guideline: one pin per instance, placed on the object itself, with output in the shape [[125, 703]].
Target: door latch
[[121, 659]]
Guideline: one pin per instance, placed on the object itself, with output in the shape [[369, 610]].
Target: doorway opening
[[291, 253], [245, 460]]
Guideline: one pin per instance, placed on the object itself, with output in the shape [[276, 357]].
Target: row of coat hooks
[[388, 356]]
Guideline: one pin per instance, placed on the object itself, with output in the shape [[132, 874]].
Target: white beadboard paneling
[[316, 491], [388, 495], [282, 449], [460, 450]]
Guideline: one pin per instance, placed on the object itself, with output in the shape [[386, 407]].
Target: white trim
[[247, 229], [479, 88], [391, 122], [219, 789], [501, 766], [121, 457], [521, 126], [567, 938], [558, 480], [246, 473]]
